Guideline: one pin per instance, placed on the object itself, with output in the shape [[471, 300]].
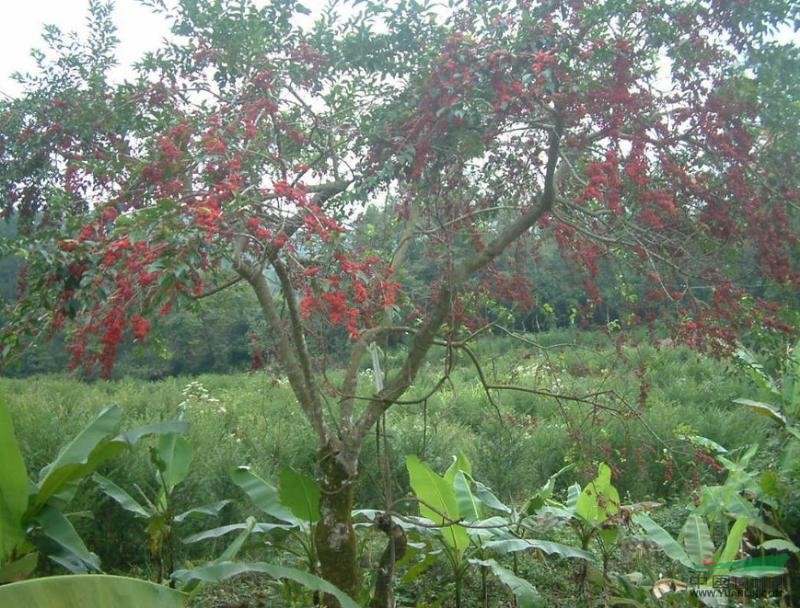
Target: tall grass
[[646, 400]]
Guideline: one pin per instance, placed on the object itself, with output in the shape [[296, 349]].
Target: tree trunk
[[334, 536], [383, 597]]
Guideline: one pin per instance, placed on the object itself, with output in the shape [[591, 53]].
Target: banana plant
[[101, 590], [171, 459], [597, 511], [744, 493], [784, 393], [90, 591], [594, 512], [292, 509], [694, 549], [266, 499], [191, 581], [727, 511], [597, 517], [33, 522], [476, 529]]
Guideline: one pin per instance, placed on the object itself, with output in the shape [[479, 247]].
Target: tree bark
[[383, 597], [334, 536]]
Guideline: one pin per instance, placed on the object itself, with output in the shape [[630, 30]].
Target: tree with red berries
[[248, 146]]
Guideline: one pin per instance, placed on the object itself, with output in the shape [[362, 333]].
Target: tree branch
[[426, 334], [296, 332], [309, 402], [221, 287], [350, 382]]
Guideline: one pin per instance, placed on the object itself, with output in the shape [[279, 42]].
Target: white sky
[[138, 29]]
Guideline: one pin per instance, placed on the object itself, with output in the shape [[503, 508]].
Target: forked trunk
[[334, 536]]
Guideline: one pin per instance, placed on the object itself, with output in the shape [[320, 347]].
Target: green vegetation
[[658, 417]]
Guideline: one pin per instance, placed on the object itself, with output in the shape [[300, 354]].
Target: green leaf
[[705, 443], [264, 496], [89, 591], [78, 450], [419, 568], [214, 533], [662, 538], [125, 500], [491, 528], [19, 569], [223, 530], [599, 499], [64, 496], [791, 381], [175, 457], [697, 539], [525, 593], [212, 510], [232, 550], [81, 456], [13, 486], [733, 542], [194, 585], [779, 544], [756, 371], [216, 573], [67, 480], [440, 501], [710, 597], [513, 545], [487, 497], [460, 463], [543, 494], [765, 409], [764, 527], [573, 494], [537, 501], [769, 483], [608, 536], [554, 515], [469, 508], [132, 437], [62, 543], [300, 494]]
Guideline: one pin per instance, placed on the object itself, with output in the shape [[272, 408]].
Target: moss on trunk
[[334, 536]]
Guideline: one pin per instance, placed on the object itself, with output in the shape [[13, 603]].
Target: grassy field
[[638, 404]]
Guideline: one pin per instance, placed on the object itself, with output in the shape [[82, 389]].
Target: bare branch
[[221, 287], [425, 336], [308, 400], [350, 381], [516, 336], [296, 331]]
